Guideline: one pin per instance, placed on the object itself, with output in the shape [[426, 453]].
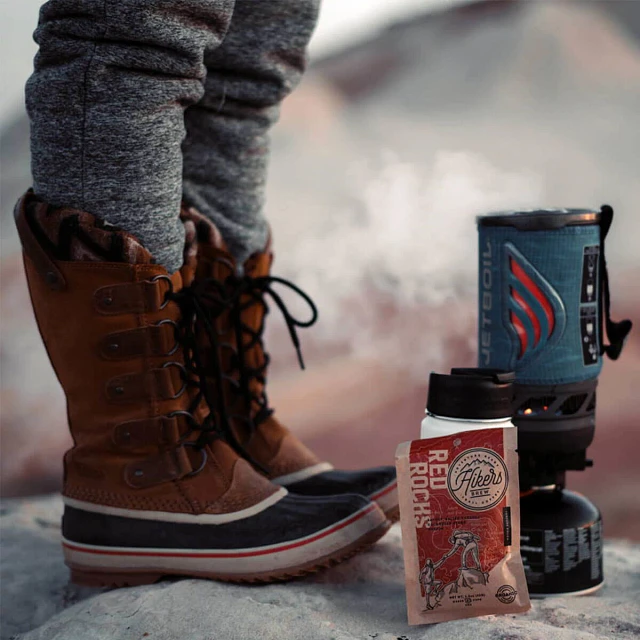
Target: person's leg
[[471, 548], [476, 556], [106, 101], [227, 147], [225, 163]]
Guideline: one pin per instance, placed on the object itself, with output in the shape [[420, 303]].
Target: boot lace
[[253, 291], [199, 304]]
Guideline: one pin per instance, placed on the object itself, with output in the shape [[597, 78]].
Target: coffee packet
[[460, 518]]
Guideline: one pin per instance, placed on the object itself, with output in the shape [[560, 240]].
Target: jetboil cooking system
[[544, 313]]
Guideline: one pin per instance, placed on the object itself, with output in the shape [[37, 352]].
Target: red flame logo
[[523, 278]]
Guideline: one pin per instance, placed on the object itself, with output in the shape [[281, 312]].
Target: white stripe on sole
[[188, 518], [236, 562], [303, 474]]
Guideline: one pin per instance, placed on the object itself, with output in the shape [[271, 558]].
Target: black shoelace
[[199, 304], [256, 289]]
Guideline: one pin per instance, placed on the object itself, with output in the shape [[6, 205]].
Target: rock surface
[[360, 599]]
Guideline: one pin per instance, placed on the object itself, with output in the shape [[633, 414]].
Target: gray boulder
[[362, 598]]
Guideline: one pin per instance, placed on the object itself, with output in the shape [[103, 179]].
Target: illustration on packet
[[460, 518]]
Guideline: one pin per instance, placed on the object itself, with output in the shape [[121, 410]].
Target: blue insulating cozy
[[540, 294]]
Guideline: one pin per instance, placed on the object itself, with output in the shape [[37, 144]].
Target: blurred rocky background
[[383, 157]]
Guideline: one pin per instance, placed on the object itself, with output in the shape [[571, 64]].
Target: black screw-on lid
[[471, 394]]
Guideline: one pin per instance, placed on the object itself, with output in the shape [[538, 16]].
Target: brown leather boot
[[238, 365], [150, 486]]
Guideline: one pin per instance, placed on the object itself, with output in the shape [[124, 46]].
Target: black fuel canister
[[561, 543]]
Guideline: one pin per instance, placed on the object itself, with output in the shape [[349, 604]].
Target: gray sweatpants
[[137, 104]]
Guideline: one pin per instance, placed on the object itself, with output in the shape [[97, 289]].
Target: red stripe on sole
[[246, 554], [383, 492]]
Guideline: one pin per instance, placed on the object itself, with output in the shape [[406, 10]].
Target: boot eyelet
[[113, 346], [192, 424], [189, 417], [176, 346], [138, 473], [204, 458], [228, 345], [232, 381], [107, 301], [184, 374], [169, 290], [119, 391]]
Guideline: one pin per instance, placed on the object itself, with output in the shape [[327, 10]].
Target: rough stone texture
[[363, 599]]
